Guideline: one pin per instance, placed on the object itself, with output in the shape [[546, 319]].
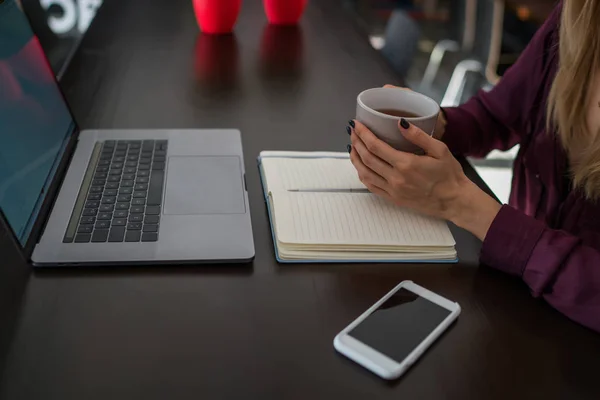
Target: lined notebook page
[[310, 173], [353, 219]]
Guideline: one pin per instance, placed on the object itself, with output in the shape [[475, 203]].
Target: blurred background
[[446, 49]]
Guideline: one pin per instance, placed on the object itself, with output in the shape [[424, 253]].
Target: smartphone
[[391, 335]]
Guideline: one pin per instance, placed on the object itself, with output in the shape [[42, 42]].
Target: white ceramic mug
[[385, 126]]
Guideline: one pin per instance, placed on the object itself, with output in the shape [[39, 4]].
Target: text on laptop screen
[[34, 121]]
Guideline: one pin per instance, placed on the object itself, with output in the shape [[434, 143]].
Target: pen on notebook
[[330, 190]]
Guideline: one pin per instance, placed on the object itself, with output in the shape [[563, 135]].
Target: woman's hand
[[440, 125], [433, 184]]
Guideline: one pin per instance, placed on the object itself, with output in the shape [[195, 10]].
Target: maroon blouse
[[549, 234]]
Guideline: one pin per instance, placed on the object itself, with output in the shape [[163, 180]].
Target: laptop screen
[[35, 122]]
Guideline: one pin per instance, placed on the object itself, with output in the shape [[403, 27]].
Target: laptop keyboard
[[121, 195]]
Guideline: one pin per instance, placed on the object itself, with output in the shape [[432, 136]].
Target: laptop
[[110, 197]]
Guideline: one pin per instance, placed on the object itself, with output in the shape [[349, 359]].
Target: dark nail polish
[[348, 130], [404, 123], [349, 147], [351, 123]]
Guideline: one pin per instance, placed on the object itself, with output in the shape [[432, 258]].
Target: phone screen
[[400, 324]]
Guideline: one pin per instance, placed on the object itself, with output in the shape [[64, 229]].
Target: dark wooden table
[[262, 331]]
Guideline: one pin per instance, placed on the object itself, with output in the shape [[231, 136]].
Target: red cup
[[284, 12], [217, 16]]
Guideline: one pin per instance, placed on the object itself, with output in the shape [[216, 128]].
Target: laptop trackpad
[[204, 185]]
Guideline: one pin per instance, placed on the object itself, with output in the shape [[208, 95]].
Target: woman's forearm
[[474, 210]]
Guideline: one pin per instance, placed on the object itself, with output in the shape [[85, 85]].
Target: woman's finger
[[370, 160], [413, 134], [375, 145], [380, 192], [365, 174]]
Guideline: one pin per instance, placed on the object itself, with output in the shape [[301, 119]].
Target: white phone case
[[379, 363]]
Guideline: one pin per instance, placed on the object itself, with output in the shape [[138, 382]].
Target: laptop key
[[140, 194], [113, 178], [158, 166], [100, 236], [109, 200], [141, 186], [83, 237], [119, 159], [100, 175], [124, 197], [106, 207], [122, 206], [89, 212], [137, 209], [134, 226], [94, 196], [85, 229], [110, 192], [133, 236], [104, 216], [92, 204], [144, 167], [126, 190], [117, 165], [109, 143], [156, 188], [128, 177], [127, 183], [96, 189], [117, 234], [101, 169], [119, 222], [102, 224], [150, 228], [98, 183], [87, 220], [112, 185], [115, 172], [138, 202], [136, 217], [152, 210], [131, 164], [149, 237], [151, 219], [159, 158], [121, 213], [130, 170], [145, 160], [142, 179], [143, 173]]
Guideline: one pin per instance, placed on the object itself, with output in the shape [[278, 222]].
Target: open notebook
[[309, 225]]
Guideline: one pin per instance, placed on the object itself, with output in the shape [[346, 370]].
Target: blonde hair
[[568, 102]]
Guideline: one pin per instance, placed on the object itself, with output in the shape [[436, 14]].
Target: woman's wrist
[[474, 210]]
